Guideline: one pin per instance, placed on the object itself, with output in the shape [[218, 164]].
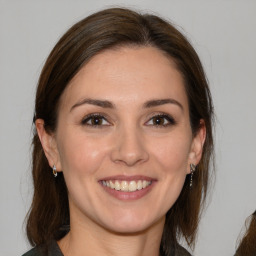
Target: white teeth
[[112, 185], [139, 185], [126, 186], [132, 186], [117, 185]]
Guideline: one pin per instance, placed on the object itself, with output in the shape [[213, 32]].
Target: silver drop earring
[[192, 169], [54, 171]]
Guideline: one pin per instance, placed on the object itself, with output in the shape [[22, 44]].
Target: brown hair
[[104, 30], [248, 244]]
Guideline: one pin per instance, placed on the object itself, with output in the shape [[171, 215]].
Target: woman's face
[[123, 139]]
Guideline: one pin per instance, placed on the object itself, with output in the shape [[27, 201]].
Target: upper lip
[[128, 178]]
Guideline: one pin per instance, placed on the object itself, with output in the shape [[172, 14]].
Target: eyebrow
[[100, 103], [108, 104], [159, 102]]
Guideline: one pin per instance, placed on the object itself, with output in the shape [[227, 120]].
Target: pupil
[[158, 121], [96, 121]]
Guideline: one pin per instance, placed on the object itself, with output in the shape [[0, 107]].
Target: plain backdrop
[[224, 34]]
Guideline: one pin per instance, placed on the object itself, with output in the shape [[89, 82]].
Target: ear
[[197, 146], [49, 145]]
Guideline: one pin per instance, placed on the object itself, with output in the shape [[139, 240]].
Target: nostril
[[129, 158], [129, 148]]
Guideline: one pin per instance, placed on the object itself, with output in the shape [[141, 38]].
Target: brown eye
[[161, 121], [95, 120], [158, 120]]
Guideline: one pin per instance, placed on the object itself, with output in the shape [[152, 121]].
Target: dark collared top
[[52, 249]]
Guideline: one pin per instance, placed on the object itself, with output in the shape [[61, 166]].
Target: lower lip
[[121, 195]]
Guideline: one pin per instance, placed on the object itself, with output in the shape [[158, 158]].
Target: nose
[[129, 147]]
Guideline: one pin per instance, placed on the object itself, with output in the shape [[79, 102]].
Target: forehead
[[127, 74]]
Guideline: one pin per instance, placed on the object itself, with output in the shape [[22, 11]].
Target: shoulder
[[181, 251], [175, 250], [34, 252], [49, 249]]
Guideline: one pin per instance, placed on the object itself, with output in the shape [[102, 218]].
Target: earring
[[192, 169], [54, 171]]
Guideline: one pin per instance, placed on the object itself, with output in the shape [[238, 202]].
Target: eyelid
[[99, 115], [168, 117], [171, 121]]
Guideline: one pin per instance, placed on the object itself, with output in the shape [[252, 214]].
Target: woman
[[248, 244], [123, 140]]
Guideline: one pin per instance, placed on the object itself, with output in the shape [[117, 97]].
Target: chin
[[128, 229], [132, 224]]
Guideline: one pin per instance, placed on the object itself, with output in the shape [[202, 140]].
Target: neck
[[91, 239]]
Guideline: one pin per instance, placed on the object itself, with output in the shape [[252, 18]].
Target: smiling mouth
[[126, 186]]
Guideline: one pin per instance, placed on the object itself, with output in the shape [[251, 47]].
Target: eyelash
[[101, 117], [90, 117], [167, 117]]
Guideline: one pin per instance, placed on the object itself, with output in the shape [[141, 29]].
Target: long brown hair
[[104, 30], [248, 244]]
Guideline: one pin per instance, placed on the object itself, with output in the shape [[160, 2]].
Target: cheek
[[172, 154], [81, 154]]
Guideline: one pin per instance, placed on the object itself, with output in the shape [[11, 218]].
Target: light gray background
[[224, 35]]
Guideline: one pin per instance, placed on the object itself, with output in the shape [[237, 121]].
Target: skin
[[127, 142]]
